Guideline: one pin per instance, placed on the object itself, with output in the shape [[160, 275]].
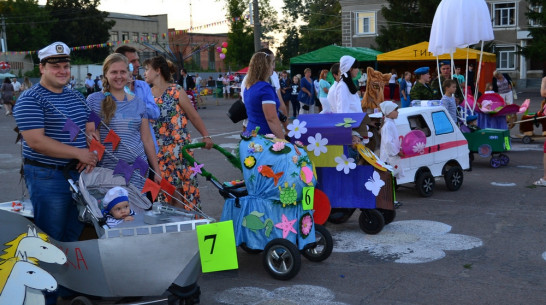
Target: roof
[[419, 52], [129, 16], [332, 54]]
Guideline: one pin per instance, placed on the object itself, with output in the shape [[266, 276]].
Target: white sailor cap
[[55, 52]]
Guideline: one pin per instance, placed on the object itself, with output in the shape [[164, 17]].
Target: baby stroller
[[266, 207], [124, 261]]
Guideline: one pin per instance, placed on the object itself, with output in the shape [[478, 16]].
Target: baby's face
[[121, 210], [356, 140]]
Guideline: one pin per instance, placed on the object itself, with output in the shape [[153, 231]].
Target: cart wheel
[[340, 215], [504, 159], [388, 215], [495, 162], [249, 250], [454, 178], [371, 221], [425, 184], [81, 300], [324, 247], [526, 140], [281, 259]]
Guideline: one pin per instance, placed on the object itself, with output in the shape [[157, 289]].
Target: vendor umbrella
[[458, 24]]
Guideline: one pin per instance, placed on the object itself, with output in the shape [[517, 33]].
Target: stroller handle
[[231, 158]]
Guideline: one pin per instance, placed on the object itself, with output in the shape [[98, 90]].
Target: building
[[147, 34], [360, 20], [198, 50]]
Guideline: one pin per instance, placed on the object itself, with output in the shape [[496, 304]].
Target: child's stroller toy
[[267, 209]]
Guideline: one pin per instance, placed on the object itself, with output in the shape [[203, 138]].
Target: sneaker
[[540, 182], [397, 204]]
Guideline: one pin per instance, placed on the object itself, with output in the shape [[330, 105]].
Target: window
[[506, 57], [114, 36], [212, 59], [144, 37], [504, 14], [365, 23], [417, 122], [535, 9], [441, 122], [134, 38], [125, 36]]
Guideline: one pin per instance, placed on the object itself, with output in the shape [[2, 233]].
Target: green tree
[[240, 36], [323, 19], [537, 49], [80, 24], [290, 47], [408, 22], [27, 25]]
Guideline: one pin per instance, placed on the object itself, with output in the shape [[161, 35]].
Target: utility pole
[[4, 39], [257, 26]]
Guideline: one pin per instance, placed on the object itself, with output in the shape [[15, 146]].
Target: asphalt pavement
[[483, 244]]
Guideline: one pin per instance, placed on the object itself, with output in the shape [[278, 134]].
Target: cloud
[[410, 241], [290, 295]]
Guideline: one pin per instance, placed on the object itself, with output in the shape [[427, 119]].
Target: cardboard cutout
[[374, 90]]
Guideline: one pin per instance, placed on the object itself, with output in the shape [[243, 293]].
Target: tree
[[536, 51], [408, 22], [80, 23], [27, 25], [290, 46]]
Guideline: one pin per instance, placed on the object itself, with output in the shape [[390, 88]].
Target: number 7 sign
[[217, 246]]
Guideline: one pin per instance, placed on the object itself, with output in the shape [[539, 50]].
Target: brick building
[[198, 50]]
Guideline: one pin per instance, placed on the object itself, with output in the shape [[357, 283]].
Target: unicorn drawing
[[17, 274], [33, 247]]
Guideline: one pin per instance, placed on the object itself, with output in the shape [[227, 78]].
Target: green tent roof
[[332, 54]]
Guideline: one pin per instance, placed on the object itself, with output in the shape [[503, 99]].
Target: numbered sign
[[308, 199], [217, 246]]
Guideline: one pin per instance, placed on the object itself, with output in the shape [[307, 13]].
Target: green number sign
[[308, 198], [217, 246]]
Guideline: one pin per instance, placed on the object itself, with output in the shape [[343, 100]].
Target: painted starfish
[[286, 226]]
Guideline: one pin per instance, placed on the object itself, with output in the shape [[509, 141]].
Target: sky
[[203, 11]]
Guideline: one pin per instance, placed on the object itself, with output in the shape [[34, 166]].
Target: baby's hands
[[128, 218]]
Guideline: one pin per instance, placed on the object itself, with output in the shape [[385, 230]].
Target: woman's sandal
[[540, 182]]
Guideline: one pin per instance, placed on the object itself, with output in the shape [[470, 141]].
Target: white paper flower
[[297, 128], [419, 148], [345, 164], [374, 184], [317, 144]]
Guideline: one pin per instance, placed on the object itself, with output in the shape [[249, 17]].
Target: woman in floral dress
[[170, 128]]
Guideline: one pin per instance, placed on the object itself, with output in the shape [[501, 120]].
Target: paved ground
[[484, 244]]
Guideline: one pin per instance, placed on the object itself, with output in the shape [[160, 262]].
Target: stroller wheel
[[324, 245], [495, 162], [504, 159], [371, 221], [281, 259], [81, 300]]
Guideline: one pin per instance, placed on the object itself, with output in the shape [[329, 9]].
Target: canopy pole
[[478, 78], [439, 74]]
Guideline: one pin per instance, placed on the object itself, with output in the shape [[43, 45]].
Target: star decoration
[[286, 226], [72, 128], [123, 168], [196, 169]]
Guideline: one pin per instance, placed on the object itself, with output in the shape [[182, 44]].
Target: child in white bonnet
[[116, 207]]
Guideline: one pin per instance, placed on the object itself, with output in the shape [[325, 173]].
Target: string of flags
[[148, 38]]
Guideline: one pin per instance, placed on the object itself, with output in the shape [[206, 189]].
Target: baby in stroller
[[116, 207]]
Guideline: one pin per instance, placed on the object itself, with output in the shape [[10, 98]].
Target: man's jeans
[[54, 209]]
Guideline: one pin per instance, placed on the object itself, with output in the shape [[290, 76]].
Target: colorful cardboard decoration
[[113, 138], [322, 207], [297, 129], [286, 226], [254, 223], [250, 162], [374, 184], [267, 171], [167, 187], [371, 158], [279, 148], [345, 164], [196, 169], [317, 144], [347, 123], [308, 198], [123, 168], [95, 146], [414, 143], [288, 195], [306, 175], [141, 165], [152, 187], [306, 224], [217, 246], [72, 129]]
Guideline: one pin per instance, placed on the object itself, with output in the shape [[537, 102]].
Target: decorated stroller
[[124, 261], [267, 208]]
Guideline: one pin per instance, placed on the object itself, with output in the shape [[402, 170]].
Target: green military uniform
[[421, 92], [438, 93]]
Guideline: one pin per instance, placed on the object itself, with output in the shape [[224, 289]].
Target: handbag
[[237, 111]]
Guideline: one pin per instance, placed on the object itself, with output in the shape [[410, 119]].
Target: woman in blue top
[[323, 92], [261, 101], [126, 115], [307, 90]]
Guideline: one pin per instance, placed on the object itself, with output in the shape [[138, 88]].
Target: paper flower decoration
[[297, 128], [346, 122], [345, 164], [317, 144], [250, 162], [374, 183], [269, 136], [278, 146], [306, 223], [298, 143]]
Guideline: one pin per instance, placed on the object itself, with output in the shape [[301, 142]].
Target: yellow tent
[[419, 52]]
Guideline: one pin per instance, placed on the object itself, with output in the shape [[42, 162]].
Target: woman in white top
[[345, 93], [331, 98]]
